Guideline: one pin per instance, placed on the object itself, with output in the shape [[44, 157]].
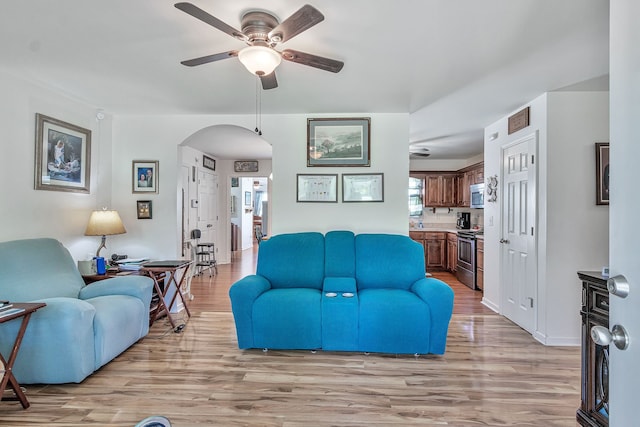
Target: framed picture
[[317, 188], [145, 176], [208, 162], [247, 198], [361, 187], [63, 156], [602, 173], [234, 181], [245, 166], [144, 209], [338, 142]]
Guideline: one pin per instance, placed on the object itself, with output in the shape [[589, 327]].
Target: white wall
[[27, 213], [572, 231], [289, 159], [157, 138]]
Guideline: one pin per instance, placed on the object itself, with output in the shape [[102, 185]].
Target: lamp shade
[[104, 223], [259, 60]]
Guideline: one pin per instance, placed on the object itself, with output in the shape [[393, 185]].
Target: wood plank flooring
[[493, 374]]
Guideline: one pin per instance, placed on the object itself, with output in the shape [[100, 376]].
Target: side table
[[8, 377], [157, 269]]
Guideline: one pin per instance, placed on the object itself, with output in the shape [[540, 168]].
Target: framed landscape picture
[[339, 142], [145, 176], [62, 155]]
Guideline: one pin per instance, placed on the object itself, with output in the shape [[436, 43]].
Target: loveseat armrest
[[140, 287], [339, 284], [243, 293], [439, 297]]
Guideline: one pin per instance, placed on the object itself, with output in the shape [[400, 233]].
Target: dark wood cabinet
[[450, 189], [440, 190], [594, 407], [452, 252], [434, 244], [480, 264]]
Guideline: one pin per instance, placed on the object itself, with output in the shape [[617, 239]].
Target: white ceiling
[[455, 65]]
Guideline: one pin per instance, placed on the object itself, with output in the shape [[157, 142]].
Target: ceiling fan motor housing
[[257, 25]]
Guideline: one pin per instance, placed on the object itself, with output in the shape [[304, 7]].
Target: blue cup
[[101, 266]]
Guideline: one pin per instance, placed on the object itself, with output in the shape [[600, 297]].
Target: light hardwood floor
[[492, 374]]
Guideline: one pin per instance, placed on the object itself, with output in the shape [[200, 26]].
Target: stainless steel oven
[[466, 269]]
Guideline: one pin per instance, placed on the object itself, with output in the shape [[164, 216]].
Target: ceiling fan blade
[[269, 81], [209, 58], [306, 17], [312, 60], [200, 14]]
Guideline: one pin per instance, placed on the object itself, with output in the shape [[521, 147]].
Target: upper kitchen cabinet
[[440, 190]]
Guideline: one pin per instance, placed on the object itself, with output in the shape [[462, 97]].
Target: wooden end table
[[8, 377], [158, 269]]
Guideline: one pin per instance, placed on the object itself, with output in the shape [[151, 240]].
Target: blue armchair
[[82, 327]]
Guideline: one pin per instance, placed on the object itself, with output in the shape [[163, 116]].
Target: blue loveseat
[[82, 327], [342, 292]]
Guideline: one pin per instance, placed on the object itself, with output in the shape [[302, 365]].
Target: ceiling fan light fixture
[[259, 60]]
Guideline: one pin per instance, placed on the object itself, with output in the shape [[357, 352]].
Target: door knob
[[504, 241], [618, 286], [618, 336]]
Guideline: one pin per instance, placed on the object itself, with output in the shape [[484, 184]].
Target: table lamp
[[104, 223]]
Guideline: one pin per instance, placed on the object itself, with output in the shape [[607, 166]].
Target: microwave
[[477, 196]]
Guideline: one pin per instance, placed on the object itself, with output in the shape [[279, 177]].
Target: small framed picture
[[361, 187], [208, 162], [144, 209], [245, 166], [317, 188], [145, 176], [602, 173], [247, 198], [234, 181]]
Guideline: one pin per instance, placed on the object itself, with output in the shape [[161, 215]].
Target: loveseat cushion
[[388, 261], [393, 321], [288, 319], [283, 258]]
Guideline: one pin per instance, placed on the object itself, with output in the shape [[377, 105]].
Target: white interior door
[[207, 206], [518, 278], [624, 233]]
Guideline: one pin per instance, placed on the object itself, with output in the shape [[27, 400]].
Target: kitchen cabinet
[[434, 244], [452, 252], [440, 190], [480, 264], [448, 189]]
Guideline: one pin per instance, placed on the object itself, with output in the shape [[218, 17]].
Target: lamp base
[[102, 245]]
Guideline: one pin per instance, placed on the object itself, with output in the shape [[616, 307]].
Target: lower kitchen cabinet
[[480, 264], [452, 252], [434, 244]]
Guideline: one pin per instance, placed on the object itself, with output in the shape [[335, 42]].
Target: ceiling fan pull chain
[[256, 130], [260, 115]]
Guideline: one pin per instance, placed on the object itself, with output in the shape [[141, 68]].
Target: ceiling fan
[[262, 32], [418, 152]]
